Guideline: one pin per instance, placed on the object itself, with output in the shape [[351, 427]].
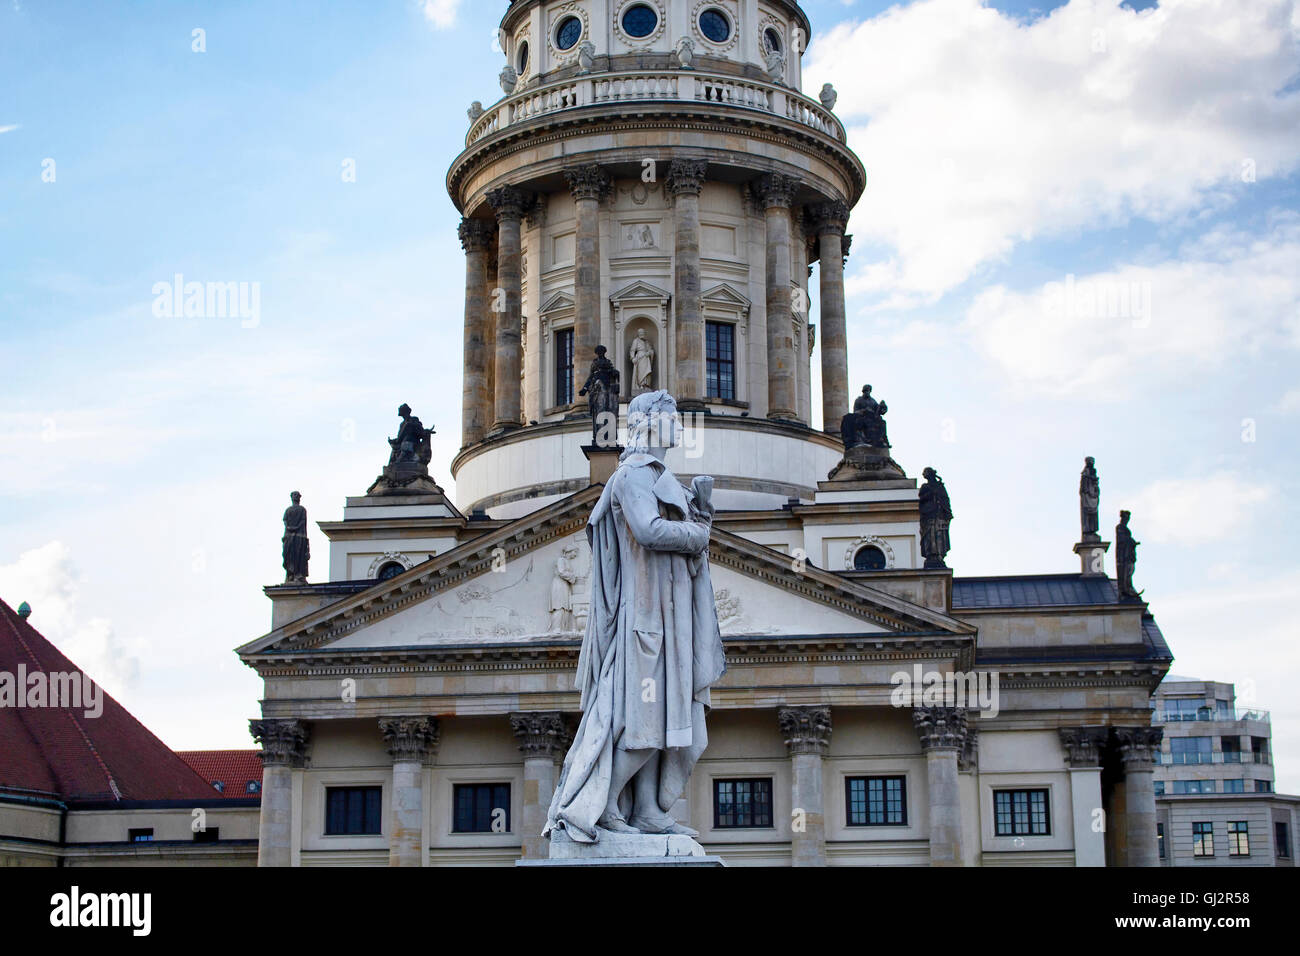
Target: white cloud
[[980, 131], [1194, 511], [441, 13], [9, 129], [1104, 334], [46, 578], [1289, 403]]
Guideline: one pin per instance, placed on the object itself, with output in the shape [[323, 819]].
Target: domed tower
[[652, 181]]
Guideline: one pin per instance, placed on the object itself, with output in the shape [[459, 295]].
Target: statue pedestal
[[404, 478], [866, 463], [1092, 557], [603, 460], [626, 849]]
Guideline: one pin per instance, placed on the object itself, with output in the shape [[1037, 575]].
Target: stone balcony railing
[[659, 86]]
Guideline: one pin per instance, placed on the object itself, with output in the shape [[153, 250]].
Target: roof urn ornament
[[509, 79], [686, 53], [828, 96], [936, 514], [774, 64], [475, 111], [586, 56]]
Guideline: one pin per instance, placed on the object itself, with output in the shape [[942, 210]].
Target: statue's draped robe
[[652, 619], [296, 549]]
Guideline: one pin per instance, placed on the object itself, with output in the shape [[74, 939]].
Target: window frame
[[365, 788], [457, 787], [885, 778], [771, 800], [1239, 839], [1029, 792], [716, 363], [1203, 840], [562, 374], [1281, 840]]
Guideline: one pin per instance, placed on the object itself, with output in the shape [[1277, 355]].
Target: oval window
[[639, 21], [771, 41], [523, 58], [568, 33], [869, 558], [390, 570], [715, 25]]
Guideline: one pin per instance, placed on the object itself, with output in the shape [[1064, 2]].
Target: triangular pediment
[[725, 295], [500, 590], [557, 303], [640, 290]]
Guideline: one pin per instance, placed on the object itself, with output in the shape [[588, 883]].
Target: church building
[[653, 182]]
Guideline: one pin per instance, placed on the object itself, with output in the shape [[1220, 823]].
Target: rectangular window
[[1021, 813], [1234, 786], [564, 367], [742, 803], [876, 801], [1281, 840], [1191, 749], [1263, 786], [1160, 839], [1193, 786], [720, 360], [1231, 747], [481, 808], [1202, 839], [1159, 786], [140, 835], [1238, 838], [353, 811]]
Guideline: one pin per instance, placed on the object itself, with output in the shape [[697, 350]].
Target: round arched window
[[639, 21], [568, 33], [390, 570], [771, 40], [715, 25], [869, 558], [523, 58]]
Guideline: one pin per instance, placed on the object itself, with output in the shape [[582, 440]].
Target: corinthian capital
[[509, 202], [475, 234], [829, 217], [587, 182], [283, 741], [940, 728], [540, 733], [686, 176], [1139, 746], [807, 730], [410, 738], [775, 189], [1083, 745]]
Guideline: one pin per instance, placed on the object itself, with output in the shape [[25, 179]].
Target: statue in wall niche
[[1089, 499], [1126, 555], [686, 53], [936, 514], [509, 79], [586, 56], [602, 391], [412, 441], [652, 647], [865, 425], [566, 575], [642, 356], [828, 96], [295, 549]]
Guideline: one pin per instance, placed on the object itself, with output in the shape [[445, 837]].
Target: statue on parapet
[[295, 549], [1126, 553], [602, 391], [865, 425], [936, 515], [1089, 500], [407, 471], [412, 441]]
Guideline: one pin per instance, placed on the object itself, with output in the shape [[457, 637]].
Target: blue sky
[[146, 460]]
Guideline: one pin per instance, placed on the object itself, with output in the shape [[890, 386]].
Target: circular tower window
[[390, 570], [523, 58], [771, 41], [639, 21], [715, 25], [869, 558], [568, 33]]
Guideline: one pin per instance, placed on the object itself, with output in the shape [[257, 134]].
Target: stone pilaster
[[410, 742], [807, 733], [1139, 748], [684, 182], [777, 193], [829, 220], [476, 402], [942, 732], [510, 205], [284, 749], [1083, 746], [542, 739], [588, 184]]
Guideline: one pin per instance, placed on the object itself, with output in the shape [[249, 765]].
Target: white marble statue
[[562, 589], [652, 647], [642, 356], [686, 53]]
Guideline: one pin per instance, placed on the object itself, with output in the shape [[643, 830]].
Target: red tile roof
[[61, 753], [234, 769]]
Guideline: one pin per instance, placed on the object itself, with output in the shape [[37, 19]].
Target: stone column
[[1138, 747], [684, 182], [509, 204], [807, 733], [475, 237], [542, 740], [777, 193], [284, 748], [829, 220], [1083, 756], [410, 742], [587, 184], [942, 731]]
